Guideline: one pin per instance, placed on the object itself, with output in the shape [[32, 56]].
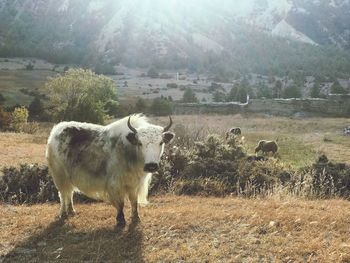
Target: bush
[[325, 179], [164, 76], [31, 127], [19, 118], [172, 85], [30, 184], [161, 107], [5, 119], [80, 95], [104, 68], [152, 73], [140, 105], [292, 92], [37, 110], [29, 66], [189, 96], [2, 99]]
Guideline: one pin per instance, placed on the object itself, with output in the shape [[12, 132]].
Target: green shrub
[[80, 95], [30, 184], [152, 73], [161, 107], [19, 118], [29, 66], [104, 68], [5, 119], [189, 96], [172, 85]]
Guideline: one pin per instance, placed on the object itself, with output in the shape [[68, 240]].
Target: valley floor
[[182, 229]]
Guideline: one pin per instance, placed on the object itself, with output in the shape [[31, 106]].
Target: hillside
[[265, 37], [182, 229]]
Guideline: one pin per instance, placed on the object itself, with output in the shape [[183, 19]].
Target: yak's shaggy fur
[[267, 146], [105, 162]]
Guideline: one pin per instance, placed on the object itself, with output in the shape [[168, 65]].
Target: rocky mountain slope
[[266, 34]]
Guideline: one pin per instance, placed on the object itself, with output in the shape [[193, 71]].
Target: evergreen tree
[[337, 88], [140, 105], [292, 92], [218, 96], [315, 90], [264, 91], [36, 109], [189, 96], [161, 107], [232, 95], [277, 89]]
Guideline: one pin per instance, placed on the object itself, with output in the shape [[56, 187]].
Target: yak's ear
[[132, 138], [168, 136]]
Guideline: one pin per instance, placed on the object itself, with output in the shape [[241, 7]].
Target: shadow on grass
[[59, 242]]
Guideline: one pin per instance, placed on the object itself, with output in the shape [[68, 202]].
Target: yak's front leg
[[134, 212], [120, 214]]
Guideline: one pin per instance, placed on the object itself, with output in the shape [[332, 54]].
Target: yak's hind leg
[[118, 203], [65, 190]]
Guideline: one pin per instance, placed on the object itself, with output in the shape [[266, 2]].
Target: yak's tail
[[143, 193]]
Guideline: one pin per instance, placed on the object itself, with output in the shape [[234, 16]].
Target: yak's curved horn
[[130, 127], [169, 125]]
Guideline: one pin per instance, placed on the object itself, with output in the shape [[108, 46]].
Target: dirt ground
[[181, 229]]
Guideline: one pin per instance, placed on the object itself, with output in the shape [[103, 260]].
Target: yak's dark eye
[[161, 143]]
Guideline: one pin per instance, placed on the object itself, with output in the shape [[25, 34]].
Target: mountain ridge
[[197, 34]]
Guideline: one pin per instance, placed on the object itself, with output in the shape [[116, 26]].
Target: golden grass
[[300, 140], [18, 148], [182, 229]]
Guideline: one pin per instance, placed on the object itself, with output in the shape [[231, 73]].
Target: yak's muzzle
[[150, 167]]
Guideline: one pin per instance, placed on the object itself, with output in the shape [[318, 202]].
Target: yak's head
[[150, 139], [260, 146]]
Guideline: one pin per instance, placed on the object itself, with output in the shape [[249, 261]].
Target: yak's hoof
[[72, 213], [62, 217], [135, 220], [120, 224]]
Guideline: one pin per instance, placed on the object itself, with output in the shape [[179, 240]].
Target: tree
[[140, 105], [19, 118], [315, 90], [214, 87], [264, 91], [292, 92], [337, 88], [5, 119], [2, 99], [80, 95], [232, 96], [36, 109], [161, 107], [104, 68], [242, 94], [152, 73], [218, 96], [277, 89], [189, 96]]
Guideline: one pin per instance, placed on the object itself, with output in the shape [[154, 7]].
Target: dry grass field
[[191, 229], [182, 229], [300, 140]]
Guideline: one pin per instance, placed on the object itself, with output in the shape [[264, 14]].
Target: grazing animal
[[266, 146], [106, 163], [346, 130], [235, 131]]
